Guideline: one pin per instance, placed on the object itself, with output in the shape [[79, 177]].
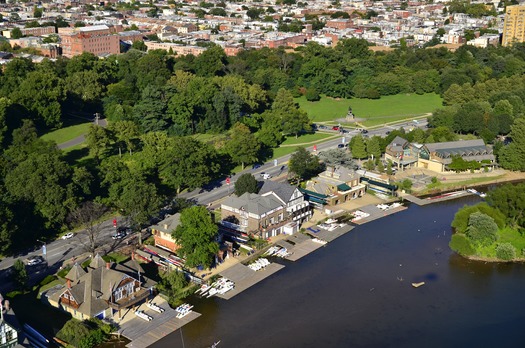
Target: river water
[[356, 292]]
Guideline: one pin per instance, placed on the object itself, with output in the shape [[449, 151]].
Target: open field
[[374, 111], [65, 134]]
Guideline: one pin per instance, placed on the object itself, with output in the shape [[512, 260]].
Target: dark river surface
[[356, 292]]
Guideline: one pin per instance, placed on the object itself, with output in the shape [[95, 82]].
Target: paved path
[[81, 138]]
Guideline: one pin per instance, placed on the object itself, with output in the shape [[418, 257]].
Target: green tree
[[196, 236], [373, 147], [20, 275], [336, 157], [482, 230], [246, 183], [505, 251], [461, 244], [172, 284], [243, 146], [303, 164], [188, 164], [461, 219], [509, 199], [125, 132], [98, 141], [405, 185], [512, 156], [211, 62], [358, 147], [16, 33]]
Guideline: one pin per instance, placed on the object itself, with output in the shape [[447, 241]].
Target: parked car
[[266, 176], [121, 233], [364, 131], [336, 128], [35, 260], [340, 146], [256, 165], [67, 235]]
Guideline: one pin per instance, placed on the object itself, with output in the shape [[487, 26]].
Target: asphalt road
[[60, 250]]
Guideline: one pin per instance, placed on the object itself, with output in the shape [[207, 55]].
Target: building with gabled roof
[[98, 291], [268, 213]]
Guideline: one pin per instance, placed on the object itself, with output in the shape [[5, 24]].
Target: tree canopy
[[196, 235]]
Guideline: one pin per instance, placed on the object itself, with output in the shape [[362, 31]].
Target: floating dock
[[143, 333], [245, 277]]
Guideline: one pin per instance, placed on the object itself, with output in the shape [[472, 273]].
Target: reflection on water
[[356, 292]]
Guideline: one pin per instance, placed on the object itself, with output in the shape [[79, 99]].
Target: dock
[[330, 236], [245, 277], [440, 198], [143, 333], [376, 213]]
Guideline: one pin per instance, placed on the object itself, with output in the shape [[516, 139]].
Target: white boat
[[155, 307], [331, 221], [143, 315], [212, 292]]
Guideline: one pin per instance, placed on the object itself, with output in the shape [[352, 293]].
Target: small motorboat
[[417, 285]]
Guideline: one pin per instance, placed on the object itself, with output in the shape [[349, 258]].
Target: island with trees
[[493, 230]]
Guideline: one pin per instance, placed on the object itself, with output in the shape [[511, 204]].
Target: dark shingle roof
[[282, 190]]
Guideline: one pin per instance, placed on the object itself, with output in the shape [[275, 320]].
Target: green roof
[[343, 187]]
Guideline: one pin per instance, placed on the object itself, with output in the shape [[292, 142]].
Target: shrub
[[506, 251], [461, 219], [460, 244], [63, 272], [312, 94]]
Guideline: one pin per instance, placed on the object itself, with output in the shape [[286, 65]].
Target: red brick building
[[97, 39]]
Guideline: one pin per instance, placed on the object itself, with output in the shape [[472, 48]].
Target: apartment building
[[97, 39], [514, 26]]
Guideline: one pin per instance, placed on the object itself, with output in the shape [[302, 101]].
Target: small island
[[493, 230]]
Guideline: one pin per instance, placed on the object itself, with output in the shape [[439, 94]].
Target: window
[[66, 296]]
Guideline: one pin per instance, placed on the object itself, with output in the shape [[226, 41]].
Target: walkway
[[81, 138]]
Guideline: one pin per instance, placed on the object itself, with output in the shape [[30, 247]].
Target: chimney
[[133, 255], [68, 284], [108, 264]]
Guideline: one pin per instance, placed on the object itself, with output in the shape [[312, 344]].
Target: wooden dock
[[143, 333], [376, 213], [439, 198], [245, 277], [330, 236]]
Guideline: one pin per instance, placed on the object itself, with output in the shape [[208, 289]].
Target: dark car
[[341, 146], [256, 165], [364, 131]]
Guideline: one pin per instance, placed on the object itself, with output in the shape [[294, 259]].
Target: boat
[[143, 315], [155, 307], [417, 285]]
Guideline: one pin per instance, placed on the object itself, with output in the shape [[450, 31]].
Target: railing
[[135, 298]]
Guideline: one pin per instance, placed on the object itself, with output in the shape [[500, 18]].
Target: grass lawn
[[305, 138], [376, 111], [65, 134], [443, 185], [513, 237], [115, 257]]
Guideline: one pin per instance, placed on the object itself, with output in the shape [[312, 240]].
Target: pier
[[440, 198], [144, 333], [376, 213], [245, 277]]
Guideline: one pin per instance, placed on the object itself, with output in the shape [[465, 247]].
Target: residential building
[[163, 230], [100, 40], [278, 208], [334, 186], [8, 334], [514, 25], [98, 291]]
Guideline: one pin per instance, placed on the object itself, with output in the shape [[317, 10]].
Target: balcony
[[126, 302]]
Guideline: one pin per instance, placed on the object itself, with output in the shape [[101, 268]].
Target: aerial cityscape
[[262, 173]]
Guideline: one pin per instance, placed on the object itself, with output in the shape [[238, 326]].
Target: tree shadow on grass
[[76, 155]]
